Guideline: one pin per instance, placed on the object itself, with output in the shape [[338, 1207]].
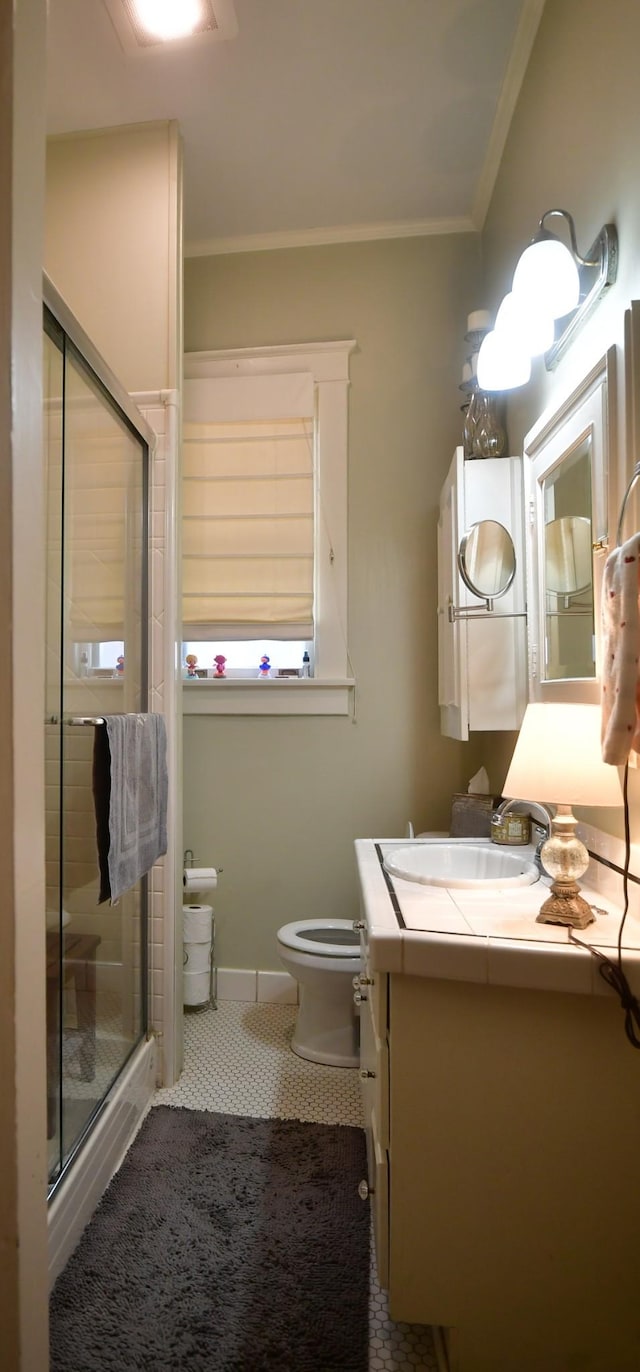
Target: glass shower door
[[96, 666]]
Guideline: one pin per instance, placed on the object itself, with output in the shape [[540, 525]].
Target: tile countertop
[[486, 936]]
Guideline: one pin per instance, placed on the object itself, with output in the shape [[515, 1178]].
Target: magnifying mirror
[[487, 559]]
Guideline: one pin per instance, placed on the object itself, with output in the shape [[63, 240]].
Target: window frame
[[327, 692]]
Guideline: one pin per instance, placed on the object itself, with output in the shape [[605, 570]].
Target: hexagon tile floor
[[238, 1059]]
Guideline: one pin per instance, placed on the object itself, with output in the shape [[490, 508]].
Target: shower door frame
[[119, 399]]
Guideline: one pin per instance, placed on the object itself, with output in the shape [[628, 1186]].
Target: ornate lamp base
[[566, 906], [565, 858]]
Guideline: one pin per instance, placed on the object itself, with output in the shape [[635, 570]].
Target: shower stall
[[97, 450]]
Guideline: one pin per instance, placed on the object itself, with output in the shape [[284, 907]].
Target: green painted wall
[[278, 802]]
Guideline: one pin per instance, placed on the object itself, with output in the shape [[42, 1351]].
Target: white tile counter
[[487, 936]]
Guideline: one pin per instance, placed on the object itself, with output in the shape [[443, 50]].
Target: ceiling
[[321, 120]]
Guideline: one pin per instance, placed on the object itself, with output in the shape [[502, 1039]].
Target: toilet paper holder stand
[[212, 1000], [189, 861]]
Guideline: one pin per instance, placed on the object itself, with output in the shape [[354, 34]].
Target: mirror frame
[[462, 548], [589, 411]]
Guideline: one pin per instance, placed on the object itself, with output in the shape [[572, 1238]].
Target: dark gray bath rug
[[223, 1244]]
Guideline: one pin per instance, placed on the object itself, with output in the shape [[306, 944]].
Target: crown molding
[[345, 233], [514, 76]]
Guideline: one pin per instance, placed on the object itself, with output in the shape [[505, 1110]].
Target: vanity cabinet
[[502, 1129], [482, 653]]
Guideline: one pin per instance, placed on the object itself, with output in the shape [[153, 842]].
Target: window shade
[[248, 529], [103, 519]]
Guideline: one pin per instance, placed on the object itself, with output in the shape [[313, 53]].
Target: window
[[264, 524]]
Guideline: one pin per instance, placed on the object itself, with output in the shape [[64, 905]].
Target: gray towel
[[130, 788]]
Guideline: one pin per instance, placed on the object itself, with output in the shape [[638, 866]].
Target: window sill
[[275, 696]]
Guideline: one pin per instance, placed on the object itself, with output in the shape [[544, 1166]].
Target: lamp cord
[[612, 972]]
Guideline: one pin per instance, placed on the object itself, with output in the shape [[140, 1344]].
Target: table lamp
[[558, 759]]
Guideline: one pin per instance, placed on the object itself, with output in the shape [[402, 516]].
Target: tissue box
[[471, 816]]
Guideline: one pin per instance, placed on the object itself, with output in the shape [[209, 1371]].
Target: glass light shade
[[547, 275], [169, 18], [558, 758], [526, 326], [501, 364]]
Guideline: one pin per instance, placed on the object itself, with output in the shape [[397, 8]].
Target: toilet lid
[[331, 938]]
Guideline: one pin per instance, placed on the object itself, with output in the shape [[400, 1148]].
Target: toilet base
[[327, 1029]]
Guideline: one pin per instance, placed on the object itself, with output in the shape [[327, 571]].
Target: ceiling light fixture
[[145, 27], [169, 19], [551, 282]]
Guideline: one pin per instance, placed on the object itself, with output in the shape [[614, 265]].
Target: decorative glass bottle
[[469, 425], [489, 437]]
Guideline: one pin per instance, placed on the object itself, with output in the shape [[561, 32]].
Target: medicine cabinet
[[567, 458], [482, 661]]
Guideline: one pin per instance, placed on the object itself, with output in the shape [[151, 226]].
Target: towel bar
[[77, 719], [81, 719], [632, 481]]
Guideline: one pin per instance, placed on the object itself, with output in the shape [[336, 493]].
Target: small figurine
[[219, 663], [120, 665], [264, 668], [191, 661]]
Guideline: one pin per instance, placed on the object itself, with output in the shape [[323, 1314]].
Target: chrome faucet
[[541, 829]]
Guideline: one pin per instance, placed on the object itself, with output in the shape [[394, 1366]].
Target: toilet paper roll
[[197, 957], [196, 988], [196, 923], [200, 879]]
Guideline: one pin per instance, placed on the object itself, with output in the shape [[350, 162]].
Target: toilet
[[324, 957]]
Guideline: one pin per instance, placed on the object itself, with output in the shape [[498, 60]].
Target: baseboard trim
[[248, 984], [100, 1156]]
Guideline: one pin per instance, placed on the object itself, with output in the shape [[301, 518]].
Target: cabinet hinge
[[532, 513]]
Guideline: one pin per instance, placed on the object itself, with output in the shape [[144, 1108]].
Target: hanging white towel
[[621, 653]]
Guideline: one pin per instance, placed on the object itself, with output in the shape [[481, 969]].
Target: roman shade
[[248, 512]]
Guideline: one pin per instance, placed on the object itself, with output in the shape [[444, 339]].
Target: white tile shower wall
[[160, 411]]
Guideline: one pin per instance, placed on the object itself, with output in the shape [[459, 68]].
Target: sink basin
[[461, 864]]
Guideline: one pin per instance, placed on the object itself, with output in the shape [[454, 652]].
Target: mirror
[[568, 555], [568, 567], [487, 559], [567, 478]]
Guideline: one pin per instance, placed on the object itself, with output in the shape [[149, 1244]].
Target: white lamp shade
[[547, 276], [558, 758], [501, 364], [169, 18], [527, 327]]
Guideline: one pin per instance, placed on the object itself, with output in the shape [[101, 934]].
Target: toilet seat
[[329, 938]]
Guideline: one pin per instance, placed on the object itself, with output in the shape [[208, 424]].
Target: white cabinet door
[[452, 693], [481, 658]]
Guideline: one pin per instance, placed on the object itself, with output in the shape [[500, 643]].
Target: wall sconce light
[[552, 282]]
